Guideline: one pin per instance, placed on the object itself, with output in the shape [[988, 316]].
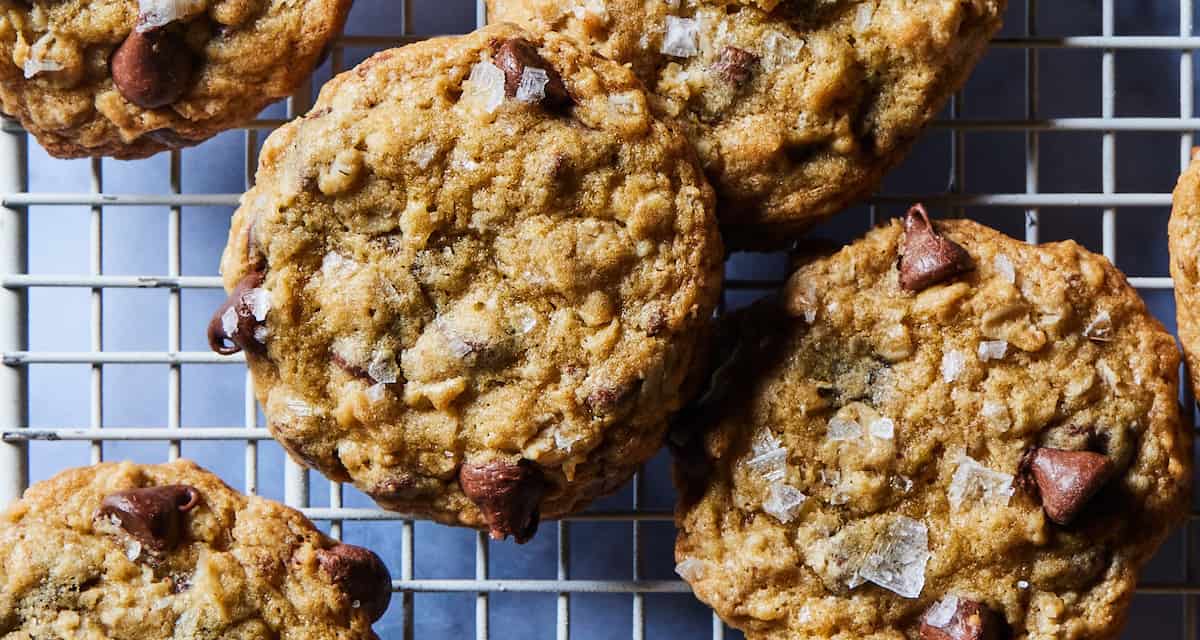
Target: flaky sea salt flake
[[532, 87], [784, 502], [382, 368], [259, 301], [300, 408], [487, 85], [566, 441], [34, 66], [333, 265], [941, 613], [953, 363], [897, 561], [153, 14], [376, 392], [993, 349], [841, 429], [769, 457], [691, 569], [1100, 328], [780, 49], [229, 321], [423, 155], [972, 480], [681, 37], [883, 428]]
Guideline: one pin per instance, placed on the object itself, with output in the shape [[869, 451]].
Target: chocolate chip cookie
[[1184, 243], [474, 280], [797, 108], [128, 78], [938, 432], [170, 551]]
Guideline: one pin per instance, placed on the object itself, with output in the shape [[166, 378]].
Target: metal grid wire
[[17, 281]]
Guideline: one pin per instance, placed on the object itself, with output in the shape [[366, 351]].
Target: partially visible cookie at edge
[[937, 432], [128, 78], [796, 108], [1183, 239], [170, 551], [475, 279]]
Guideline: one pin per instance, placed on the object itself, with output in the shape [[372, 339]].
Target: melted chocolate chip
[[928, 258], [152, 69], [970, 621], [513, 56], [507, 494], [242, 337], [1066, 480], [152, 515], [360, 574], [735, 65]]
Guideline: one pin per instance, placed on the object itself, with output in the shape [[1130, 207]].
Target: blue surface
[[135, 242]]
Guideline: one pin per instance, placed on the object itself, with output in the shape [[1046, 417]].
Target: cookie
[[938, 432], [128, 78], [1183, 233], [474, 280], [797, 108], [170, 551]]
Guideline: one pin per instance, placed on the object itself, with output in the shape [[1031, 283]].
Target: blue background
[[135, 241]]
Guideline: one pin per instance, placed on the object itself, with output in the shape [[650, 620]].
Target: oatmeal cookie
[[939, 433], [130, 78], [474, 279], [169, 551], [1183, 233], [797, 108]]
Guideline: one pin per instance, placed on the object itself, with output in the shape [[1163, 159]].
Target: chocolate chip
[[152, 515], [1066, 480], [242, 337], [735, 65], [928, 258], [507, 494], [400, 487], [606, 400], [513, 56], [152, 69], [970, 621], [360, 574]]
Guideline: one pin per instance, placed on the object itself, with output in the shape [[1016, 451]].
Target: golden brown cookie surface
[[170, 551], [474, 278], [130, 78], [996, 445], [796, 108], [1184, 242]]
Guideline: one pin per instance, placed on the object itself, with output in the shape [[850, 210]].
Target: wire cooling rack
[[86, 297]]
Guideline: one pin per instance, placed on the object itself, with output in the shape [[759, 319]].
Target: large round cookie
[[474, 278], [127, 552], [1184, 243], [797, 108], [130, 78], [942, 433]]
